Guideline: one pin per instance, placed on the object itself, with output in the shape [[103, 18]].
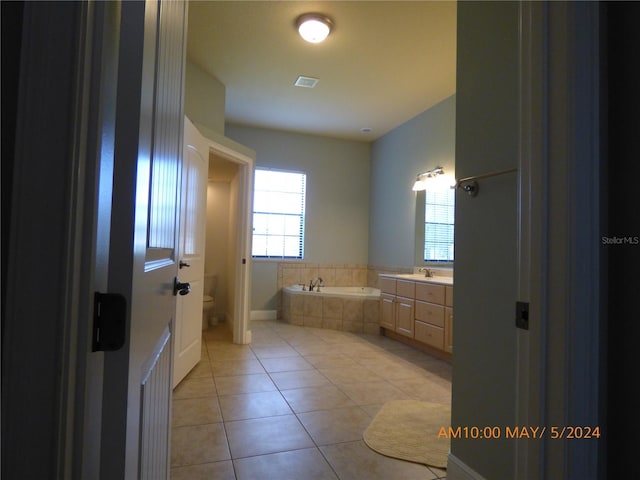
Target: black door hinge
[[109, 321], [522, 315]]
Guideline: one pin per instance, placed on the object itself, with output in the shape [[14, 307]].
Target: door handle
[[180, 287], [183, 264]]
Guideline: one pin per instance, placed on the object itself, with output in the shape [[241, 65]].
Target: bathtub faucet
[[315, 283]]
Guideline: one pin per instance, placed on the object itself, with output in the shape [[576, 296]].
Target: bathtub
[[352, 309], [366, 292]]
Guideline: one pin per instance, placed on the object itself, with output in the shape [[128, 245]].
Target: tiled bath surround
[[357, 315], [335, 313]]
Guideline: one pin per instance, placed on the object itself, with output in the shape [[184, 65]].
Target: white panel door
[[188, 325], [136, 406]]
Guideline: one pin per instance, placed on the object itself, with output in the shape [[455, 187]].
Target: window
[[278, 214], [438, 225]]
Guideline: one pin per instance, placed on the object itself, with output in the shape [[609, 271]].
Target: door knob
[[183, 264], [180, 287]]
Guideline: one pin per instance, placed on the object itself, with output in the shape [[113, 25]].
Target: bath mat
[[408, 429]]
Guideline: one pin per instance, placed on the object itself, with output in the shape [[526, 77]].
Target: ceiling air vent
[[307, 82]]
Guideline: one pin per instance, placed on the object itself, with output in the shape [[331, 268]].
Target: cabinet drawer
[[448, 296], [406, 289], [428, 292], [429, 334], [387, 285], [430, 313]]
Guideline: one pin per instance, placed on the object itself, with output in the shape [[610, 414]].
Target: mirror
[[434, 232]]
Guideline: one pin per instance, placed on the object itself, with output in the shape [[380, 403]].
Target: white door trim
[[559, 200], [245, 158], [530, 371]]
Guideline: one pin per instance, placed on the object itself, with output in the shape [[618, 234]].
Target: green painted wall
[[337, 208], [420, 144]]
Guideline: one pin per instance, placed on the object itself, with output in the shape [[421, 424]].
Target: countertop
[[419, 277]]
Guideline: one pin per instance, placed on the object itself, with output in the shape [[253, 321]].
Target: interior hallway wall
[[204, 99], [484, 362], [217, 242]]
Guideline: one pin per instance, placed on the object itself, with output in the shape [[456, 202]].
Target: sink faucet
[[315, 283], [427, 272]]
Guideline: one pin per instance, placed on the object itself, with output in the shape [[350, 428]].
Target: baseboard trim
[[458, 470], [264, 315]]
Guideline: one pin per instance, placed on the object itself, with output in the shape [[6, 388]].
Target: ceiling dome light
[[314, 27]]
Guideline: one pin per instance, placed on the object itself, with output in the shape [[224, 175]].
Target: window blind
[[439, 225], [278, 214]]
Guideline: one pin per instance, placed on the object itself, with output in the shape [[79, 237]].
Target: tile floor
[[293, 405]]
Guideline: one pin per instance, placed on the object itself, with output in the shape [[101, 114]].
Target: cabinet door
[[448, 330], [404, 316], [387, 311]]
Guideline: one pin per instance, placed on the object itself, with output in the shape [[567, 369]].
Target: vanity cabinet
[[397, 306], [418, 310]]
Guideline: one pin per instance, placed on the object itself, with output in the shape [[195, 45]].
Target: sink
[[421, 278]]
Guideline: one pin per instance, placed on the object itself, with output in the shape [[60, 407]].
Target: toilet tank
[[210, 281]]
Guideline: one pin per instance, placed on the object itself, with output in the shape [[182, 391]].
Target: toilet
[[208, 300]]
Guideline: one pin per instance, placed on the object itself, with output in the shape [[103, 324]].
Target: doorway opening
[[227, 237]]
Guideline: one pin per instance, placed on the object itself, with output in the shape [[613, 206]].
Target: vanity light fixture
[[314, 27], [423, 179]]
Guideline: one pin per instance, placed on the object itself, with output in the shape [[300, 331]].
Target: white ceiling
[[384, 63]]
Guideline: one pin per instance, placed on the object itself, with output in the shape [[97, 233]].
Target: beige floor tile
[[317, 348], [202, 369], [237, 367], [423, 389], [233, 385], [354, 374], [198, 444], [307, 464], [358, 350], [259, 436], [285, 364], [330, 361], [195, 411], [194, 388], [334, 381], [253, 405], [275, 352], [439, 472], [335, 426], [267, 339], [206, 471], [356, 461], [316, 398], [372, 410], [373, 392], [218, 333], [334, 336], [227, 352], [299, 379], [301, 338]]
